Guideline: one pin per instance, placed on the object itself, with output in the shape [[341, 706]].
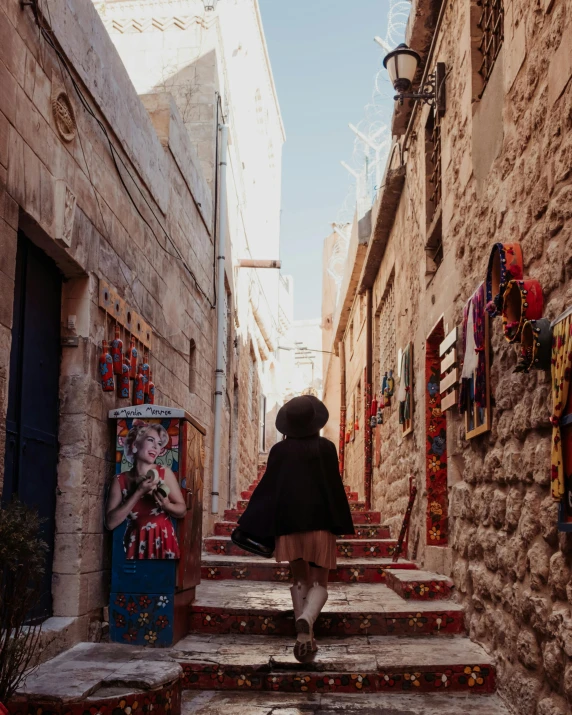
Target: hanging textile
[[474, 361], [561, 373], [404, 393]]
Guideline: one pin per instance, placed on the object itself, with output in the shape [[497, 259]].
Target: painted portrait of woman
[[147, 496]]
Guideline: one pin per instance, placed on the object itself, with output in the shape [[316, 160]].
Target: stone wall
[[506, 164], [110, 241]]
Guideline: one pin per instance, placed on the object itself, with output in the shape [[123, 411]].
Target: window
[[491, 25], [433, 184], [251, 395], [351, 337], [192, 366], [386, 329]]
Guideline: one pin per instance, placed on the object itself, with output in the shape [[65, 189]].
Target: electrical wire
[[47, 34]]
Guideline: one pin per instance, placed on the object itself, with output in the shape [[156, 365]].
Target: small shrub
[[22, 559]]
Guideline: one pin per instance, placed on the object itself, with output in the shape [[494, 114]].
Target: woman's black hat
[[302, 416]]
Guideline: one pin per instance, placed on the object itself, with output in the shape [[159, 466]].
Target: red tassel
[[132, 354], [106, 368], [138, 389], [117, 352], [150, 396]]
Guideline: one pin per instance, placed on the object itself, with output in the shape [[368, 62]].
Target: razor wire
[[368, 162]]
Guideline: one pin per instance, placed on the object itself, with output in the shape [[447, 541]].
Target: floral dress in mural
[[150, 533]]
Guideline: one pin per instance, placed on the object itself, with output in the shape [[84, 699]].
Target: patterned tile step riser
[[345, 548], [352, 496], [163, 701], [355, 506], [271, 572], [259, 622], [225, 528], [470, 678], [364, 517], [422, 590]]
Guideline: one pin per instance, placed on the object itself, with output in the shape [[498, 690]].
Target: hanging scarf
[[404, 392], [474, 362]]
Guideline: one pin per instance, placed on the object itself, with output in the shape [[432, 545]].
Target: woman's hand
[[147, 486]]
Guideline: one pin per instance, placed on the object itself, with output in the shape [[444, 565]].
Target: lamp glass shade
[[401, 65]]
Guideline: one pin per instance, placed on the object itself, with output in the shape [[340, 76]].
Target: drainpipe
[[220, 320], [342, 449], [368, 388]]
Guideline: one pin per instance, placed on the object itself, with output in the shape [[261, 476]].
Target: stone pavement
[[210, 703]]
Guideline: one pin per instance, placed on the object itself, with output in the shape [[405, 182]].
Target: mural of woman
[[147, 496]]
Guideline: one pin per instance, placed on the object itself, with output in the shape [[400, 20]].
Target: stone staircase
[[391, 640]]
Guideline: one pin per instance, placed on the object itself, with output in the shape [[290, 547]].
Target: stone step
[[363, 517], [363, 531], [355, 506], [367, 548], [253, 568], [102, 678], [331, 703], [344, 665], [416, 585], [224, 528], [352, 609], [352, 496]]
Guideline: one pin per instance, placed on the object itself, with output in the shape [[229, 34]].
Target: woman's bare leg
[[319, 575], [300, 572]]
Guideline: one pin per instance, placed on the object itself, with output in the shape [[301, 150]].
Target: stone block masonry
[[132, 240], [506, 177]]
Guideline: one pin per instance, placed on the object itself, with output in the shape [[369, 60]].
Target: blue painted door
[[30, 470]]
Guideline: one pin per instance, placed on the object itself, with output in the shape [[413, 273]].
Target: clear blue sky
[[324, 62]]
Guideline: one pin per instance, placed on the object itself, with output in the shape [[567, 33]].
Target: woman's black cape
[[301, 490]]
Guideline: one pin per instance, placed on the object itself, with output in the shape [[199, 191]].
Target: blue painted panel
[[140, 575], [142, 619]]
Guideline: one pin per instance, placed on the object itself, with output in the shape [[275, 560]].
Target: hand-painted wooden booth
[[150, 597]]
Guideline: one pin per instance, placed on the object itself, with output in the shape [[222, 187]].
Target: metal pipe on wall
[[342, 448], [368, 431], [220, 320]]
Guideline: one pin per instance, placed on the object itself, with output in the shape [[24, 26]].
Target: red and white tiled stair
[[390, 640], [386, 628]]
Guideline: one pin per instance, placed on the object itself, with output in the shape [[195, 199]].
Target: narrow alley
[[285, 357]]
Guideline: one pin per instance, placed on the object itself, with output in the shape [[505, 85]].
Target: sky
[[324, 62]]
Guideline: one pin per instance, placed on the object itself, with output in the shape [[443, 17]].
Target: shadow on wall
[[194, 90]]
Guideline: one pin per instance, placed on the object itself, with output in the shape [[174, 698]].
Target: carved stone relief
[[63, 111], [64, 213]]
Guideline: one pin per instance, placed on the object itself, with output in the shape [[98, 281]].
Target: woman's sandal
[[304, 650]]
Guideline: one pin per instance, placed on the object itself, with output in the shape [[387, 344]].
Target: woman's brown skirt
[[316, 546]]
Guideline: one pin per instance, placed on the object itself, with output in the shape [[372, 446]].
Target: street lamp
[[401, 65]]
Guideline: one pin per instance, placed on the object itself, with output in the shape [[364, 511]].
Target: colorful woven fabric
[[561, 373]]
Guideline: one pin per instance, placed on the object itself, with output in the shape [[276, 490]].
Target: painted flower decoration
[[434, 463], [144, 601], [212, 572], [162, 601], [387, 681], [474, 676], [119, 620], [415, 620], [162, 622], [267, 623], [303, 682], [365, 622], [131, 606], [360, 681], [130, 636], [128, 709], [436, 508], [243, 680], [151, 637], [423, 589], [413, 678], [120, 600], [143, 619], [435, 533]]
